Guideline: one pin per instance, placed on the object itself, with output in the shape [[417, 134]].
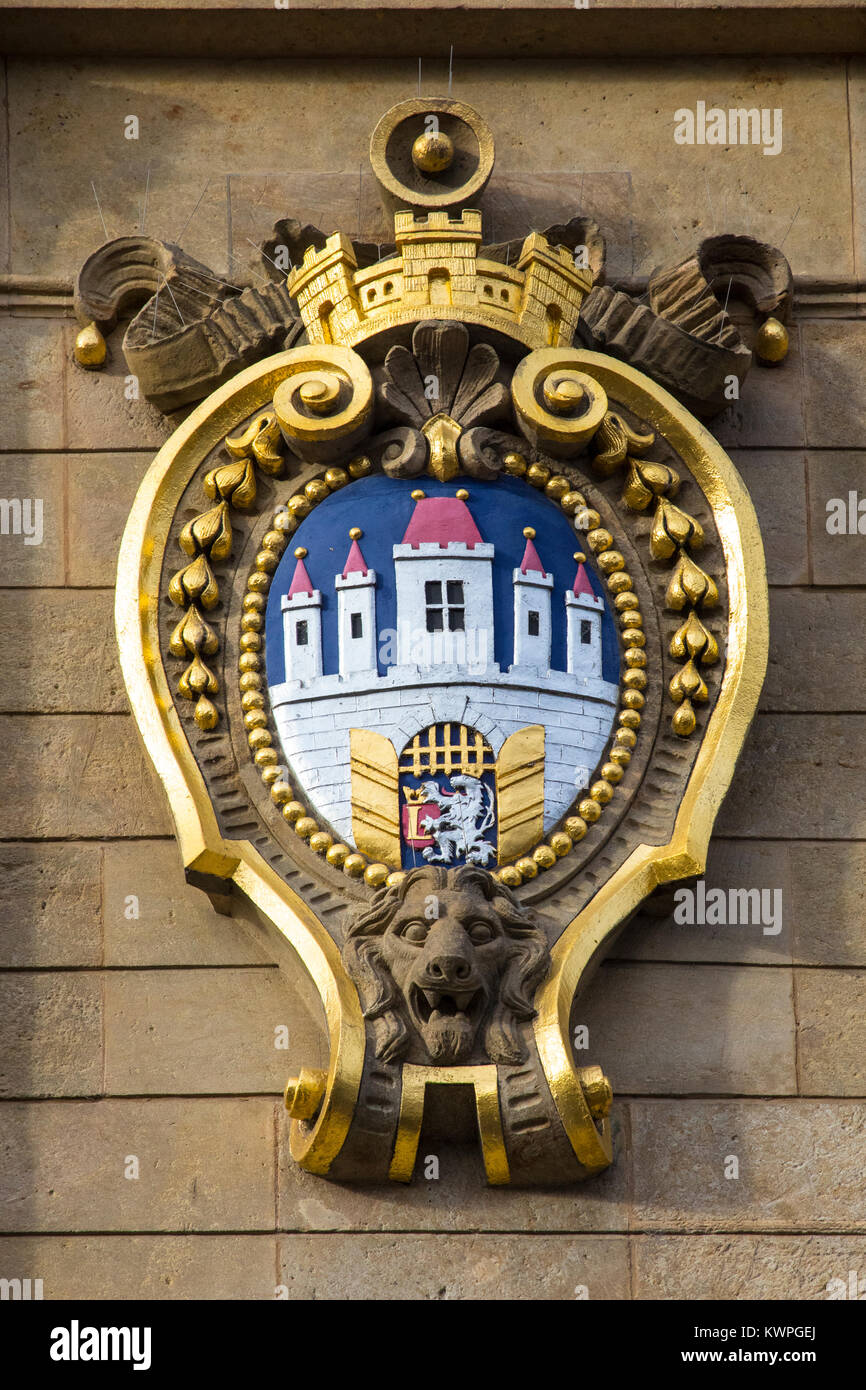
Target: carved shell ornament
[[443, 620]]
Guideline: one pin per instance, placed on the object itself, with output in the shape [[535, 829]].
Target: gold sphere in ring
[[432, 152]]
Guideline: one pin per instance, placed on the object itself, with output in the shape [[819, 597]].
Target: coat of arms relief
[[443, 619]]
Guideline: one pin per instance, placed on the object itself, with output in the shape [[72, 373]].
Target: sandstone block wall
[[137, 1023]]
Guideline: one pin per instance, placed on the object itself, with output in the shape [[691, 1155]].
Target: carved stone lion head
[[443, 958]]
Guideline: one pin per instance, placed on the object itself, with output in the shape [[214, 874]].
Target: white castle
[[439, 661]]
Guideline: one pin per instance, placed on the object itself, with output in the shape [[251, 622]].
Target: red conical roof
[[531, 560], [442, 521], [355, 562], [582, 584], [301, 581]]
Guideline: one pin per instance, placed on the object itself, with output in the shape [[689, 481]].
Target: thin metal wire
[[101, 218], [193, 213]]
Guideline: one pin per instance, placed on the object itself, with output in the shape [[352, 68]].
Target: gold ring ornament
[[431, 152]]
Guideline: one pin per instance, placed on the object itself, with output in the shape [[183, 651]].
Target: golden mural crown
[[438, 272]]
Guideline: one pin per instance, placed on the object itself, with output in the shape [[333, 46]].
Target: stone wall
[[314, 733], [138, 1022]]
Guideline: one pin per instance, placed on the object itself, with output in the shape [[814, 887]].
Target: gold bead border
[[261, 740], [611, 563]]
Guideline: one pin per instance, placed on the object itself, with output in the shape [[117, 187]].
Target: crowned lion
[[447, 961]]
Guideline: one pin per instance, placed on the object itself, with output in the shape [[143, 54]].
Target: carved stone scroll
[[193, 330], [684, 338]]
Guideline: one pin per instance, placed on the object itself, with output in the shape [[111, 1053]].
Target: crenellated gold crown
[[437, 273]]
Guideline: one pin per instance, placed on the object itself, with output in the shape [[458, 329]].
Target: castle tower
[[553, 291], [583, 608], [444, 579], [532, 590], [301, 608], [356, 612], [324, 288], [438, 254]]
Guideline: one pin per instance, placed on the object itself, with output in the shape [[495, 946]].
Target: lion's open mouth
[[430, 1005]]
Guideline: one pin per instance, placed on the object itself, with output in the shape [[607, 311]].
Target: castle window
[[433, 602], [532, 623], [488, 290], [388, 287], [301, 634], [371, 295], [553, 319], [325, 311], [585, 631], [503, 294], [451, 612], [357, 625], [456, 611]]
